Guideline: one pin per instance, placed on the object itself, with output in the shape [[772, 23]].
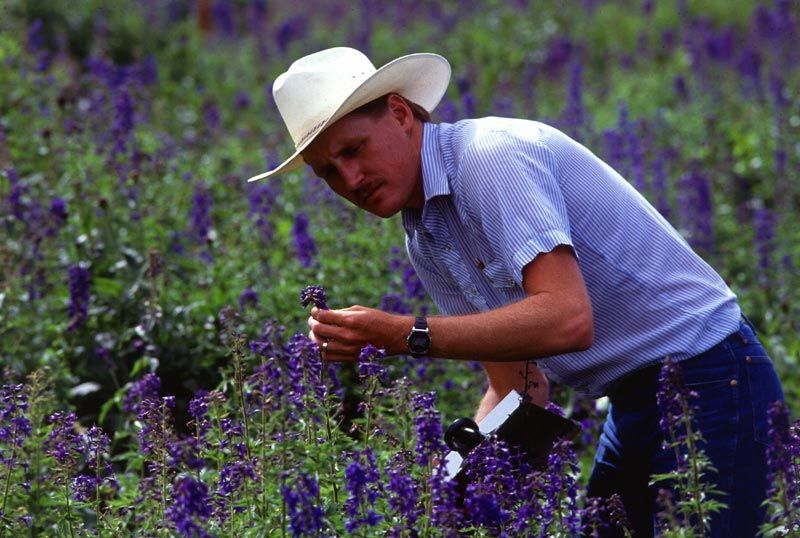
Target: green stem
[[68, 514], [263, 463], [283, 477], [10, 467], [428, 501], [328, 433], [696, 489]]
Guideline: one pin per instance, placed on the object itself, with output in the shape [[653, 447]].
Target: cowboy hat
[[321, 88]]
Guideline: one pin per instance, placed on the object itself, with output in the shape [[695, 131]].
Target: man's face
[[372, 162]]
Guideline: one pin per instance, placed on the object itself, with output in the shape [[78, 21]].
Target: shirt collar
[[434, 174]]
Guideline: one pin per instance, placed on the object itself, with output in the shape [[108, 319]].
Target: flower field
[[157, 380]]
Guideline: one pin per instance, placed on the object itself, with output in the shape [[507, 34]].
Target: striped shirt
[[498, 192]]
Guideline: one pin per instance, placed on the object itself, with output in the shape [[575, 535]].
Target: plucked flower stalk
[[315, 295]]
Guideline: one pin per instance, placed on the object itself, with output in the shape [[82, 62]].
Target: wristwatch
[[419, 341]]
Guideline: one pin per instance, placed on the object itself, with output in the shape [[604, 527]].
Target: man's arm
[[554, 318], [507, 376]]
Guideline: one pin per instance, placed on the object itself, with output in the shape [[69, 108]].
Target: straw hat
[[320, 88]]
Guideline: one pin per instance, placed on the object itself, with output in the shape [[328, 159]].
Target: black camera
[[521, 424]]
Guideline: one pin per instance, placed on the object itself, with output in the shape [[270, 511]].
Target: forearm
[[502, 380], [538, 326]]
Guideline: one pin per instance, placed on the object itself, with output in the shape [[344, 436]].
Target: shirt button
[[748, 359], [734, 382]]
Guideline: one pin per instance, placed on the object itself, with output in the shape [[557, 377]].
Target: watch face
[[419, 342]]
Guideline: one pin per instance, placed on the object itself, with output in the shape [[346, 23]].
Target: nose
[[351, 175]]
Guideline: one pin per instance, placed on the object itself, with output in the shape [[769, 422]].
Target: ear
[[400, 111]]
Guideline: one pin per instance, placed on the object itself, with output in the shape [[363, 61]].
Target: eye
[[352, 151]]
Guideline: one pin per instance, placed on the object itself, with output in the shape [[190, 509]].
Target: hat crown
[[315, 86]]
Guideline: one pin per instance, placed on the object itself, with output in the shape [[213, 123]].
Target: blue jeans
[[736, 382]]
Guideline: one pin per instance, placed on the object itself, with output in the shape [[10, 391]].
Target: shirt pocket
[[497, 275]]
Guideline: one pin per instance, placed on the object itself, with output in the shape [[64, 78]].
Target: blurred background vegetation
[[127, 129]]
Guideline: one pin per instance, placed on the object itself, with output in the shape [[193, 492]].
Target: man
[[533, 248]]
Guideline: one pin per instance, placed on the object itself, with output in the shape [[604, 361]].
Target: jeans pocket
[[765, 389]]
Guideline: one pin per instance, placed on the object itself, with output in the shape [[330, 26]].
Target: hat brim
[[421, 78]]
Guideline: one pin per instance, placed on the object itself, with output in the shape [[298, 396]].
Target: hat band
[[310, 133]]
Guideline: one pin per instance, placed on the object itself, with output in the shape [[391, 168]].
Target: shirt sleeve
[[510, 185]]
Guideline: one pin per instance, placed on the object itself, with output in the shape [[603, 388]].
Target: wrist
[[419, 338]]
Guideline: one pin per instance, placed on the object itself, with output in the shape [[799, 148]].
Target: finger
[[337, 348], [337, 357], [331, 317], [314, 338], [327, 332]]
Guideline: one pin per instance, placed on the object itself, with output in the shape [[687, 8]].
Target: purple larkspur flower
[[124, 119], [370, 364], [673, 401], [97, 446], [446, 515], [233, 436], [269, 343], [15, 426], [304, 244], [63, 443], [201, 214], [301, 494], [783, 462], [190, 507], [599, 514], [248, 299], [241, 100], [403, 490], [698, 215], [427, 428], [468, 108], [413, 285], [561, 488], [84, 488], [185, 451], [395, 304], [232, 477], [316, 295], [211, 115], [496, 476], [144, 389], [660, 185], [148, 71], [362, 481], [58, 210], [304, 367], [764, 225], [261, 198], [79, 283], [289, 30], [575, 112], [223, 16], [155, 417]]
